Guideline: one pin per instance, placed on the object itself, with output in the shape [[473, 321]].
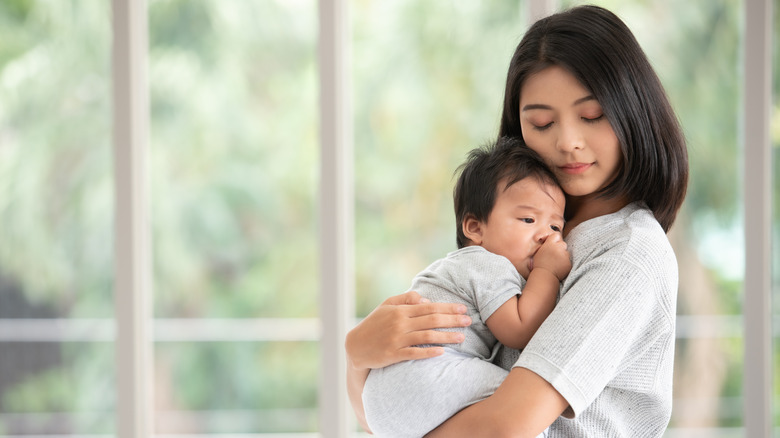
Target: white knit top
[[608, 347]]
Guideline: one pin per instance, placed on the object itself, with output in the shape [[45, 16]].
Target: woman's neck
[[582, 208]]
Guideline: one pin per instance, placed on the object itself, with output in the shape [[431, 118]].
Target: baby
[[507, 272]]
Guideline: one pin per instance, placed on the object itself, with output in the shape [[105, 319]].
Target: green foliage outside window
[[234, 171]]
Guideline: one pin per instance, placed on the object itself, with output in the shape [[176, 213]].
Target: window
[[234, 167], [56, 275]]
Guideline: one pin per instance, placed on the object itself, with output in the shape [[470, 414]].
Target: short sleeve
[[602, 323], [492, 279]]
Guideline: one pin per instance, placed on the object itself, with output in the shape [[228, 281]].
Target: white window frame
[[757, 198], [132, 261], [336, 215]]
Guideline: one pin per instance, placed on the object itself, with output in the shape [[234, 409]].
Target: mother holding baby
[[582, 94]]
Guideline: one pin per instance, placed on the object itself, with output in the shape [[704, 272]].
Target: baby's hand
[[554, 257]]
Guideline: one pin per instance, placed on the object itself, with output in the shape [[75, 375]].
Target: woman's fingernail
[[461, 309], [425, 300], [465, 320]]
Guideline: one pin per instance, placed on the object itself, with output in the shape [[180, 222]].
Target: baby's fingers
[[555, 239]]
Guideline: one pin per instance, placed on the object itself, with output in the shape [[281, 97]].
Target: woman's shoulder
[[629, 245], [631, 235], [633, 224]]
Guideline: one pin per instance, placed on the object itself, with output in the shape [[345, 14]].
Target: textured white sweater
[[608, 347]]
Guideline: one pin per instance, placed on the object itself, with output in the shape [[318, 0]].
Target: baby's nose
[[541, 235]]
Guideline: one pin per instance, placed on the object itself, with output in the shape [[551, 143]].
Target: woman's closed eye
[[542, 127], [593, 119]]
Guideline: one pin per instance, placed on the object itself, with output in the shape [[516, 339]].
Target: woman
[[582, 94]]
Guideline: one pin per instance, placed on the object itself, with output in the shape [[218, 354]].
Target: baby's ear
[[472, 229]]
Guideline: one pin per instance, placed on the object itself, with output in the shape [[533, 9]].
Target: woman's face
[[564, 123]]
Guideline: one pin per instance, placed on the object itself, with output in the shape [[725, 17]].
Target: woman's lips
[[575, 168]]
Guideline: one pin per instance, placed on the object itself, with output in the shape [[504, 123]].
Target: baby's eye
[[556, 228], [528, 220]]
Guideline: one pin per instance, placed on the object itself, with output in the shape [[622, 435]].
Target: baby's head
[[508, 201]]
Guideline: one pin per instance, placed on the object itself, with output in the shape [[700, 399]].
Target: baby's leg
[[409, 399]]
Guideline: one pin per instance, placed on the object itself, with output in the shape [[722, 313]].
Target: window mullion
[[539, 9], [757, 207], [336, 214], [132, 291]]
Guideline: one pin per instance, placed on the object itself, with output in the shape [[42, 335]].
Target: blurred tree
[[234, 161], [55, 208], [428, 82]]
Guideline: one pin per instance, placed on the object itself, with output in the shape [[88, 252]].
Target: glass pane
[[222, 387], [428, 82], [234, 157], [694, 47], [57, 388], [56, 218]]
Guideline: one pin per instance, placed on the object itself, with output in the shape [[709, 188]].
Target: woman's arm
[[390, 334], [523, 406]]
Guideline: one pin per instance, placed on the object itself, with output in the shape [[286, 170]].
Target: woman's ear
[[472, 229]]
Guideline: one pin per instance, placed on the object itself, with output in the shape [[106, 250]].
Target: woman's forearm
[[523, 406], [356, 380]]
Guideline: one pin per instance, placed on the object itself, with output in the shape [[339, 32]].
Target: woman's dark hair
[[596, 47], [475, 192]]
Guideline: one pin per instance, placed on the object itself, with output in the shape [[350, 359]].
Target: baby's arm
[[516, 321]]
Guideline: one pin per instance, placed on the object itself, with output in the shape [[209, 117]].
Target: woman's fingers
[[436, 308], [438, 320], [393, 330], [420, 306], [419, 321], [422, 337], [414, 353], [410, 297]]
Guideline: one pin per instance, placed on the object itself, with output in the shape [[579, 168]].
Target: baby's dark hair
[[477, 186]]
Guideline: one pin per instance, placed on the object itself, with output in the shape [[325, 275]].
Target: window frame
[[757, 201], [132, 230], [132, 260]]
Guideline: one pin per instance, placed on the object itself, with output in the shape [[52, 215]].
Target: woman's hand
[[391, 332]]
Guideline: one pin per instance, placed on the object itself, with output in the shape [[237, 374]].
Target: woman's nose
[[570, 138]]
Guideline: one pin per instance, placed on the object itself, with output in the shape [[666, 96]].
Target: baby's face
[[524, 215]]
